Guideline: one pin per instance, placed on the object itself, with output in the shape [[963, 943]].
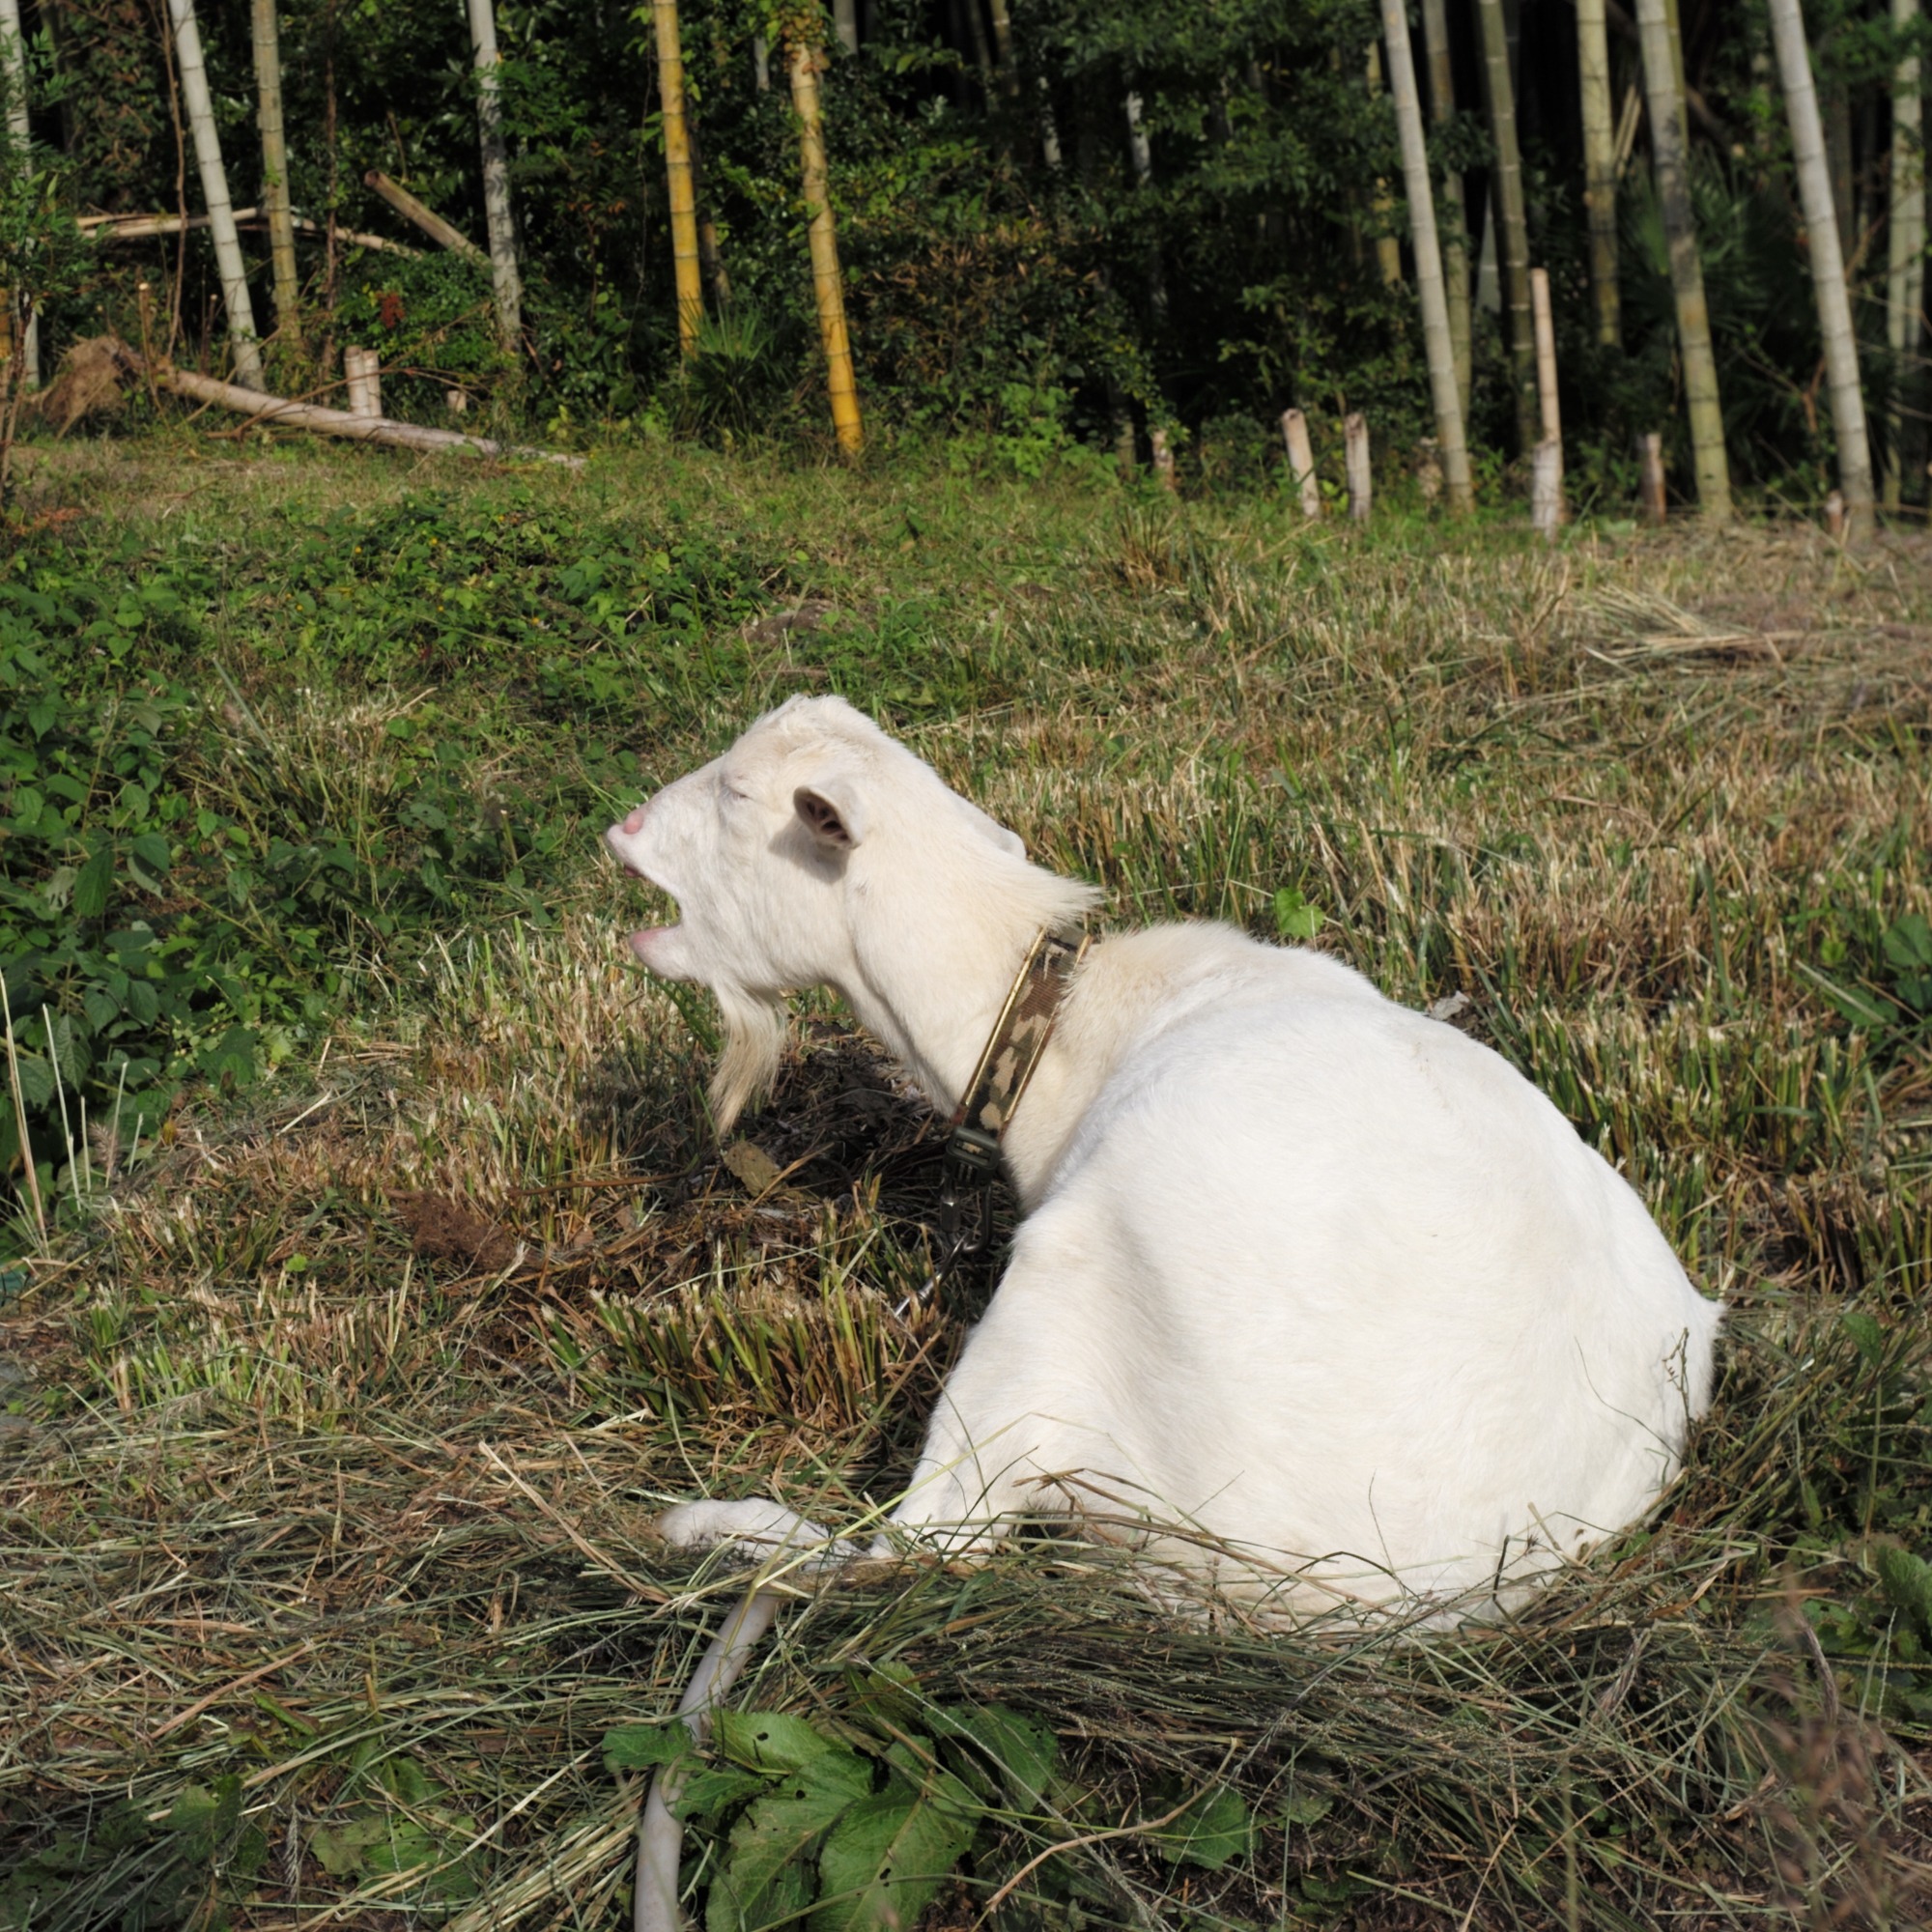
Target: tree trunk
[[1827, 266], [1669, 153], [685, 264], [1512, 226], [275, 174], [503, 271], [1599, 166], [1437, 341], [1003, 47], [214, 192], [1905, 280], [1389, 247], [13, 57], [427, 219], [1454, 227], [804, 58]]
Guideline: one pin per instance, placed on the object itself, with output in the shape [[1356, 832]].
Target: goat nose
[[635, 823]]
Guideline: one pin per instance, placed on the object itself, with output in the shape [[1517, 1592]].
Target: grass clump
[[339, 1410]]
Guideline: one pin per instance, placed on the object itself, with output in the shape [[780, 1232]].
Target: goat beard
[[754, 1037]]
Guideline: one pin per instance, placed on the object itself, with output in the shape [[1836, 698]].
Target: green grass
[[339, 1404]]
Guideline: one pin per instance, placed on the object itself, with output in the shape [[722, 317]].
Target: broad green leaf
[[769, 1741], [342, 1848], [709, 1793], [762, 1877], [888, 1856], [1908, 943], [640, 1747], [890, 1692], [94, 884], [1212, 1831], [1295, 917], [1908, 1585], [1023, 1753], [1866, 1335], [1859, 1008]]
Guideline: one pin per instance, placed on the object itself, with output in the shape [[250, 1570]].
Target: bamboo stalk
[[1512, 226], [1905, 242], [13, 58], [845, 24], [1545, 489], [142, 227], [214, 192], [431, 223], [1355, 461], [1653, 499], [275, 173], [1163, 460], [1599, 166], [1455, 225], [1546, 355], [1438, 343], [1388, 246], [1669, 153], [1302, 462], [361, 377], [803, 59], [260, 408], [1828, 266], [503, 271], [686, 269]]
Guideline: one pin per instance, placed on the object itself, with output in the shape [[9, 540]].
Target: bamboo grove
[[1525, 238]]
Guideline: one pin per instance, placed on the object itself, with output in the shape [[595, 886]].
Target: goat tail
[[660, 1835]]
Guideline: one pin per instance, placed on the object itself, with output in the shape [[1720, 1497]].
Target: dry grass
[[351, 1409]]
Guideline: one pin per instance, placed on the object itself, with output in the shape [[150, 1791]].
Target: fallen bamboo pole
[[426, 219], [140, 227], [278, 410]]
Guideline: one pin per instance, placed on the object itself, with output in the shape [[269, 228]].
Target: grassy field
[[346, 1364]]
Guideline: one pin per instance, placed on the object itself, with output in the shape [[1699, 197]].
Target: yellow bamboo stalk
[[805, 57], [685, 264]]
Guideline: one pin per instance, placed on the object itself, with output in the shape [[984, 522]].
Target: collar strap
[[1012, 1051]]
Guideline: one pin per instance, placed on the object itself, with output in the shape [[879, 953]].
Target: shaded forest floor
[[338, 1413]]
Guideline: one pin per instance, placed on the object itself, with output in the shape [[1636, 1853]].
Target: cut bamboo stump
[[1835, 516], [362, 377], [1652, 498], [1545, 489], [1355, 461], [1163, 461], [1301, 461], [313, 417], [1545, 479], [427, 219]]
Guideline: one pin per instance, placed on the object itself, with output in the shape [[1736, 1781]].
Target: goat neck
[[934, 956]]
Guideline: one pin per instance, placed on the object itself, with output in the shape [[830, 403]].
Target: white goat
[[1307, 1280], [1316, 1276]]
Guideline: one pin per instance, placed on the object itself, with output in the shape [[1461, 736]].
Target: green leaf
[[94, 884], [889, 1855], [1295, 917], [1866, 1335], [1908, 943], [768, 1741], [1212, 1831], [1859, 1008], [1023, 1753], [762, 1878], [641, 1746], [1908, 1585], [340, 1848], [709, 1793]]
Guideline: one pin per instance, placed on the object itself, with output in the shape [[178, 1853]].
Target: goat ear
[[831, 813]]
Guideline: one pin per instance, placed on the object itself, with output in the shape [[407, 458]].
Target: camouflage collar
[[1013, 1049]]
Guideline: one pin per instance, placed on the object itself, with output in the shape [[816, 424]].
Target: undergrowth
[[392, 1281]]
